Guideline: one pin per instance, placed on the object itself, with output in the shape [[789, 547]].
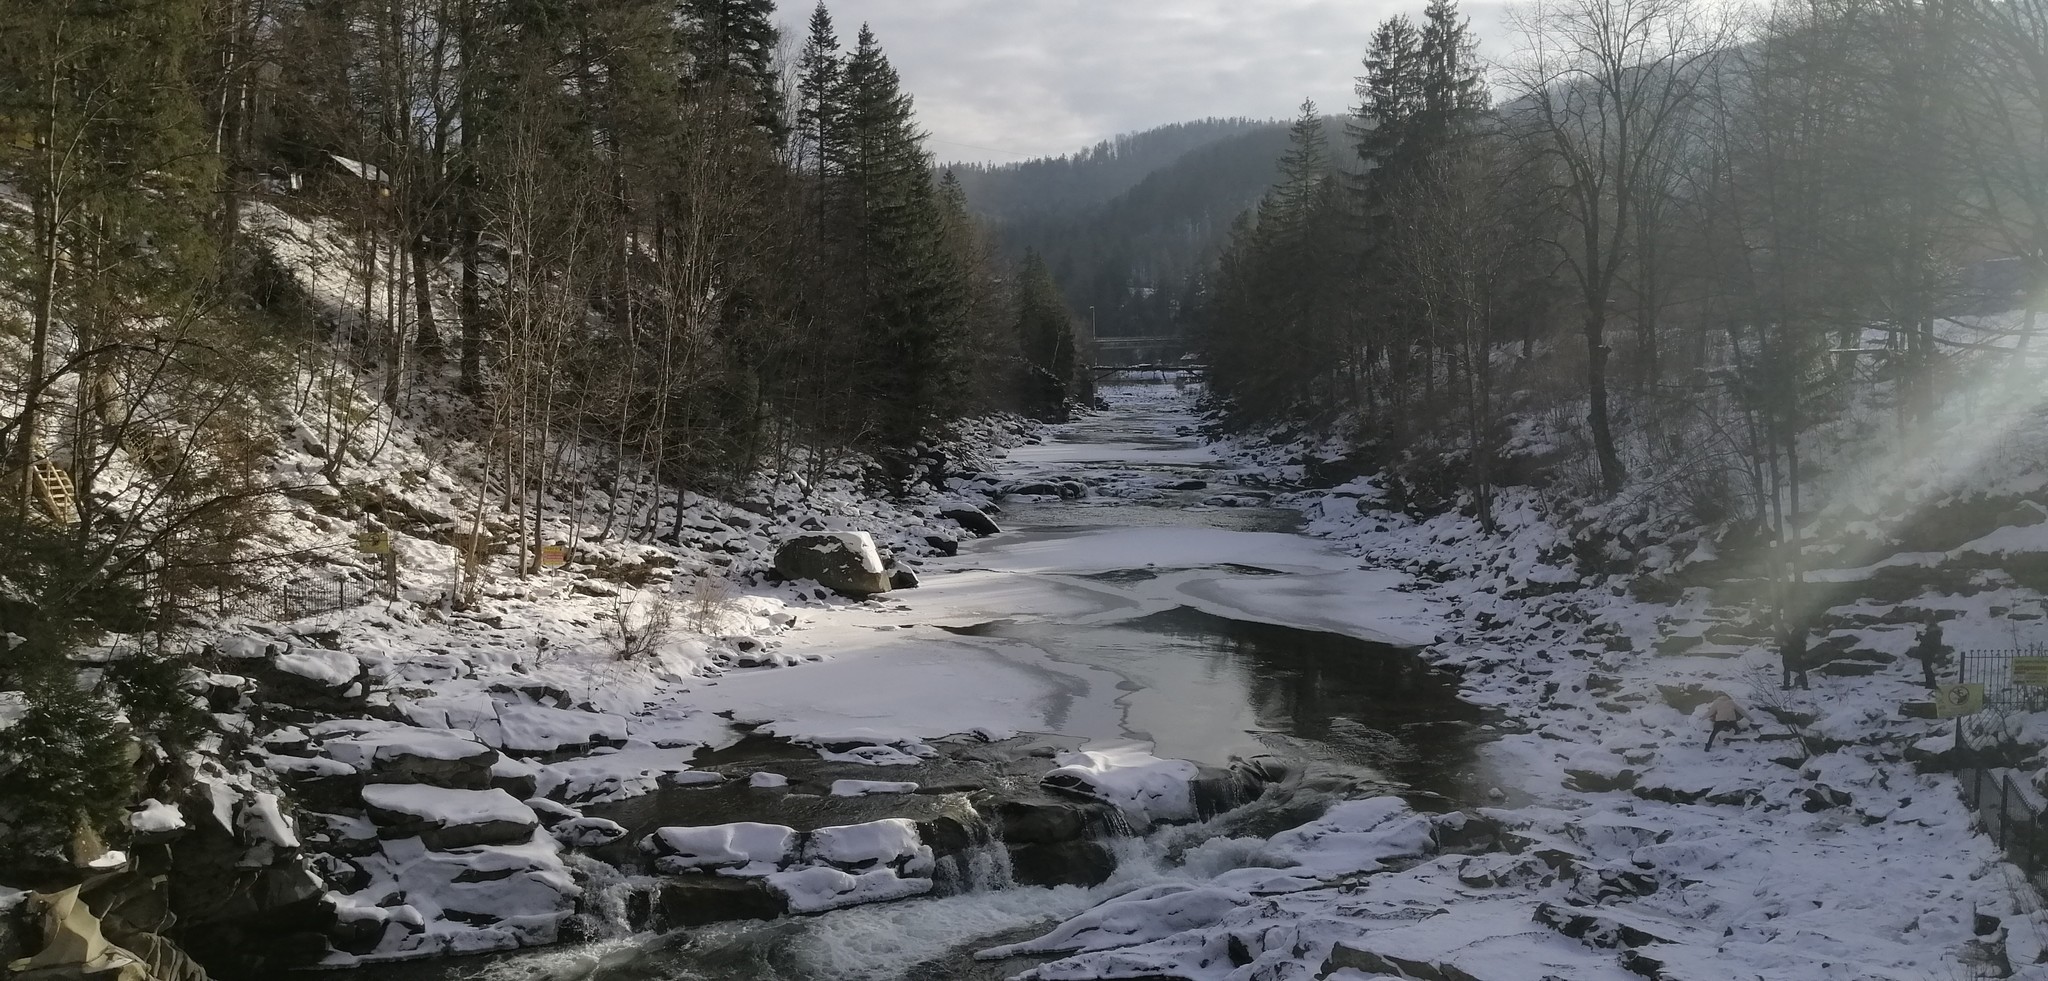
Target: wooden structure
[[54, 491]]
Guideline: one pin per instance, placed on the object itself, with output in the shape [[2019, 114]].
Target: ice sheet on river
[[1266, 577], [917, 684], [888, 675]]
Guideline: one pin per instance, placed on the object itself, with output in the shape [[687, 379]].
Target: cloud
[[1005, 79]]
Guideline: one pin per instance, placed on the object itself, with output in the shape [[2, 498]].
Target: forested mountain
[[1075, 182], [1136, 258]]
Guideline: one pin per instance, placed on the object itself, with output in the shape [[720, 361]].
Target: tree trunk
[[428, 338], [46, 225], [1611, 474]]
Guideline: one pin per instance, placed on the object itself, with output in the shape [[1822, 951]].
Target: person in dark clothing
[[1792, 656], [1930, 651]]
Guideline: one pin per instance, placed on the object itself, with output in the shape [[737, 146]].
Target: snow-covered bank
[[1643, 854]]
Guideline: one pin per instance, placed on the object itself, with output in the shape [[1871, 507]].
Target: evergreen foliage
[[653, 250], [1045, 332]]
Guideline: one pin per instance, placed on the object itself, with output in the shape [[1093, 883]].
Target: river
[[1170, 606]]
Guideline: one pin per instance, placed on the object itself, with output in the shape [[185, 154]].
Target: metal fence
[[2010, 811], [2010, 814], [297, 601], [286, 600], [1993, 670]]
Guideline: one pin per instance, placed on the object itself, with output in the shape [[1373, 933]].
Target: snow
[[112, 858], [1133, 918], [891, 842], [1750, 882], [431, 903], [743, 848], [264, 827], [155, 817], [912, 685], [862, 545], [821, 888], [1355, 836], [765, 780], [908, 754], [518, 728], [612, 776], [13, 708], [1146, 788], [363, 751], [446, 807], [332, 669], [826, 869]]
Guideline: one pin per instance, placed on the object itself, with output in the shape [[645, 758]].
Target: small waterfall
[[612, 899], [983, 865], [1111, 822]]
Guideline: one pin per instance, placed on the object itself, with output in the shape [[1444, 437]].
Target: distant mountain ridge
[[1131, 226], [1091, 176]]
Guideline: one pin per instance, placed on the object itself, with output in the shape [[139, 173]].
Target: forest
[[1131, 227], [578, 481], [1657, 242], [645, 240]]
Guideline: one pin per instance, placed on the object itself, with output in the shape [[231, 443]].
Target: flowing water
[[1357, 717]]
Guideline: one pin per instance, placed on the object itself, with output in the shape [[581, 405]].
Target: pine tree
[[731, 44], [1304, 172], [819, 69], [1045, 333], [1390, 96], [909, 287], [1453, 94]]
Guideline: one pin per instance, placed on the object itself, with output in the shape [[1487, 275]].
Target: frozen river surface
[[1169, 608]]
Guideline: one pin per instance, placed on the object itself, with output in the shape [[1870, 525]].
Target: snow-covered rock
[[743, 848], [1144, 787], [844, 562], [447, 819]]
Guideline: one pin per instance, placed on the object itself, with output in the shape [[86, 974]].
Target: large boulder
[[443, 819], [1066, 863], [844, 562], [702, 900], [403, 754], [973, 521]]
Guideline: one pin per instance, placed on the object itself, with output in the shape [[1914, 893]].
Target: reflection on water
[[1207, 688]]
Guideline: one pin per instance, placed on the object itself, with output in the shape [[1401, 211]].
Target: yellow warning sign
[[553, 556], [374, 543], [1956, 701], [2030, 671]]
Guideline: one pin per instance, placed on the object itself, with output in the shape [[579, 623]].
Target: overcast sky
[[1003, 80]]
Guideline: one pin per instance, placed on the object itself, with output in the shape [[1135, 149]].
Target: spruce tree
[[819, 68], [1453, 95], [1045, 334], [731, 44], [908, 285], [1390, 96]]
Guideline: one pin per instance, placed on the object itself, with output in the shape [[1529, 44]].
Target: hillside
[[1080, 181], [1133, 256], [451, 634]]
